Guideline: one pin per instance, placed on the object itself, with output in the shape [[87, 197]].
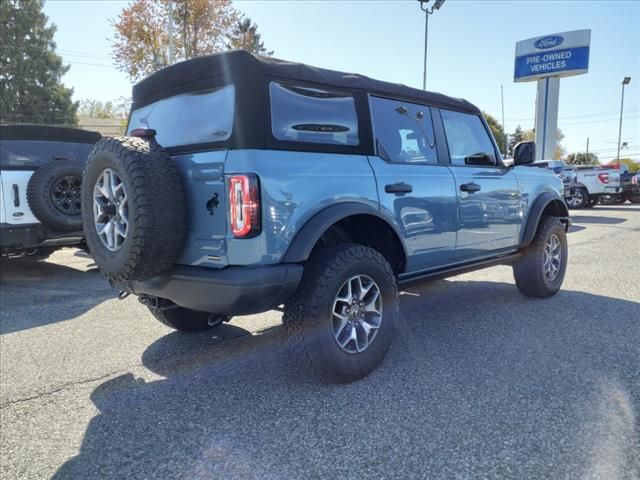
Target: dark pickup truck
[[629, 189]]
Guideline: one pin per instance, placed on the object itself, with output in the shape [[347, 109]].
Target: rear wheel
[[340, 321], [579, 200], [540, 271], [186, 320], [635, 199]]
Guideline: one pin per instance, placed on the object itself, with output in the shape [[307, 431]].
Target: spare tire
[[54, 195], [134, 208]]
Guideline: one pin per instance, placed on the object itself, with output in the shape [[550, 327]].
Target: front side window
[[188, 119], [301, 114], [35, 153], [403, 131], [466, 137]]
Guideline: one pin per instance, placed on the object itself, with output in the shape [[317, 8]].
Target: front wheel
[[340, 322], [540, 271]]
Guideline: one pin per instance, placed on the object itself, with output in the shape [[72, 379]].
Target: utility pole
[[625, 81], [171, 47], [504, 129], [427, 11], [587, 149]]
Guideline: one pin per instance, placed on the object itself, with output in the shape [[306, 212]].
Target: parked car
[[40, 176], [592, 183], [247, 184], [629, 188]]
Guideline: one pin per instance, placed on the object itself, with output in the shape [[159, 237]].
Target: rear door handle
[[470, 187], [16, 196], [398, 188]]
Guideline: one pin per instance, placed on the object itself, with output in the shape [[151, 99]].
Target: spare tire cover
[[134, 211], [54, 195]]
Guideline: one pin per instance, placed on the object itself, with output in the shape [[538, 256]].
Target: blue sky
[[471, 50]]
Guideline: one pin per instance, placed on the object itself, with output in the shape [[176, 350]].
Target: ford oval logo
[[548, 42]]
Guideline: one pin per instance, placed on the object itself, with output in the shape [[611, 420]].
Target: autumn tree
[[201, 27], [31, 88], [497, 130]]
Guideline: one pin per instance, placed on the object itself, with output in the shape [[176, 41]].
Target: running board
[[432, 275]]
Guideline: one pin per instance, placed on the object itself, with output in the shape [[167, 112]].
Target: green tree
[[31, 88], [515, 138], [582, 159], [245, 36], [117, 110], [498, 132]]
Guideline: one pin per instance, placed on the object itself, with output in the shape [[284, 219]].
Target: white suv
[[40, 175]]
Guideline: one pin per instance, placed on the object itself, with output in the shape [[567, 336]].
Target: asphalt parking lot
[[481, 383]]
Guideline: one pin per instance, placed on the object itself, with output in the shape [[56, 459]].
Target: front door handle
[[470, 187], [398, 188]]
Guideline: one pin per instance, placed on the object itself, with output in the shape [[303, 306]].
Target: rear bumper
[[228, 291], [14, 238]]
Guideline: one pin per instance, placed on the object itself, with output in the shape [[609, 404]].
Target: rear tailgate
[[204, 185]]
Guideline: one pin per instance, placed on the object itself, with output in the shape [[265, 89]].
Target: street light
[[427, 11], [625, 81]]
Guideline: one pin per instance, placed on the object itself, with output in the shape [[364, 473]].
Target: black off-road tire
[[635, 199], [308, 314], [583, 195], [157, 217], [529, 270], [41, 195], [186, 320]]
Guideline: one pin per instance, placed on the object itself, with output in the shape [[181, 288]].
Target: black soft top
[[193, 74], [47, 132]]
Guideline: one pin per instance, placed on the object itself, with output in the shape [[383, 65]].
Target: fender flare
[[306, 238], [535, 214]]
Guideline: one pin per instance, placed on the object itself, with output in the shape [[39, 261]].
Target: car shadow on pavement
[[36, 293], [494, 386], [621, 208], [595, 219]]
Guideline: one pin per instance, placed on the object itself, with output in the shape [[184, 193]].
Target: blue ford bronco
[[246, 184]]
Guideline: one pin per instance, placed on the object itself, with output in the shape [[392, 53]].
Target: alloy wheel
[[357, 313], [552, 257], [110, 210]]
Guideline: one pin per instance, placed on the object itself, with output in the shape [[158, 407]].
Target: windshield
[[191, 118]]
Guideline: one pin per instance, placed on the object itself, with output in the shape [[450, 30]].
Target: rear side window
[[301, 114], [466, 136], [403, 131], [31, 154], [188, 119]]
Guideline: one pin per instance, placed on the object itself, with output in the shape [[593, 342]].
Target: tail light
[[634, 180], [603, 177], [244, 205]]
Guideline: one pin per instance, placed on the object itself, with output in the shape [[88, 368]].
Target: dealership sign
[[558, 55]]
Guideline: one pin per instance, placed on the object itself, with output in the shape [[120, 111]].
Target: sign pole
[[546, 125]]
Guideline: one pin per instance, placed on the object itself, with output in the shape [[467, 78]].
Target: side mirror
[[480, 159], [524, 153]]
